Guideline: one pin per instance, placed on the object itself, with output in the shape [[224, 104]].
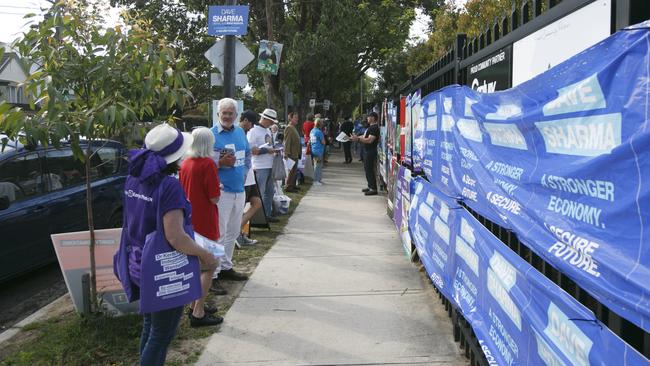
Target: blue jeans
[[265, 185], [318, 167], [158, 329]]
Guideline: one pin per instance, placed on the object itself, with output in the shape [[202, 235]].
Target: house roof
[[6, 58]]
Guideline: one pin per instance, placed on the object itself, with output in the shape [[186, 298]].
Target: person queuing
[[200, 180], [317, 142], [234, 157], [347, 127], [306, 129], [155, 196], [370, 139], [261, 143], [359, 129], [292, 150], [247, 121]]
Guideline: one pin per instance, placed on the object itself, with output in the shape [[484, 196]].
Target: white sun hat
[[168, 142]]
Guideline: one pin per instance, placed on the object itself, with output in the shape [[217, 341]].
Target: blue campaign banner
[[562, 160], [428, 152], [407, 130], [418, 131], [401, 206], [430, 220], [231, 20], [519, 316]]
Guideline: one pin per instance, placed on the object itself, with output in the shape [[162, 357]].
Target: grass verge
[[66, 338]]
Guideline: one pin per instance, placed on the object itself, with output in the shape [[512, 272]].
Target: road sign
[[228, 20], [216, 79], [242, 55], [326, 104], [312, 103]]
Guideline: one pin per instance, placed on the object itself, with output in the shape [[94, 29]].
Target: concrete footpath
[[336, 289]]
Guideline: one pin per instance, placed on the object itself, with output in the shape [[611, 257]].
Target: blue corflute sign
[[519, 316], [228, 20]]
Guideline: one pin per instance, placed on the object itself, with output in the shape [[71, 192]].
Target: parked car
[[43, 191]]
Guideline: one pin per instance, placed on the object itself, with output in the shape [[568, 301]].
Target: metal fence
[[453, 68]]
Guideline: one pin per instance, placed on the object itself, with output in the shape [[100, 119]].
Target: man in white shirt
[[247, 121], [261, 142]]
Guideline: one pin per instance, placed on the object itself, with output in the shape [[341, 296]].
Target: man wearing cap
[[260, 140], [292, 149], [234, 162], [370, 139]]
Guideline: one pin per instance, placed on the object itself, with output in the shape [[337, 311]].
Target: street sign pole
[[229, 63]]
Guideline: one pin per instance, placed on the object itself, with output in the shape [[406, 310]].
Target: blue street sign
[[228, 20]]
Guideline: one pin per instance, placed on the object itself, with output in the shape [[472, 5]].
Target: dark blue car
[[42, 192]]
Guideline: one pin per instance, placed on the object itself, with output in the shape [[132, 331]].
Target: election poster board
[[391, 188], [402, 205], [417, 132], [429, 153], [73, 253], [268, 57], [382, 148], [231, 20], [561, 40], [492, 73], [519, 316], [400, 129], [407, 130], [562, 161]]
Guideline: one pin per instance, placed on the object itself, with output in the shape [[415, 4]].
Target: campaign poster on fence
[[428, 154], [418, 131], [561, 161], [519, 316]]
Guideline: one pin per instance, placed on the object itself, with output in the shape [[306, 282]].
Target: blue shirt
[[233, 178], [316, 140]]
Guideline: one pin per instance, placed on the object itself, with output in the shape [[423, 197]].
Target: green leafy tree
[[328, 44], [93, 83]]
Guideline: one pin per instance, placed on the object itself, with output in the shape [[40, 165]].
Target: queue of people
[[184, 211]]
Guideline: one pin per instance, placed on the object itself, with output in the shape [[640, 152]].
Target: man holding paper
[[346, 128], [292, 150], [260, 140], [370, 140]]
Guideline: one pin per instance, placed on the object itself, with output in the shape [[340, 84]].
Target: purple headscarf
[[145, 163]]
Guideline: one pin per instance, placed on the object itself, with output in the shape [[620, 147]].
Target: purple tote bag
[[168, 278]]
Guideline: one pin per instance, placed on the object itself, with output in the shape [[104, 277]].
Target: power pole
[[269, 32], [229, 63]]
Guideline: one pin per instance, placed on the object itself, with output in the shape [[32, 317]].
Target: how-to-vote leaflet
[[562, 160], [519, 316]]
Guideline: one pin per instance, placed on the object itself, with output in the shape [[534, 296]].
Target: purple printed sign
[[168, 278]]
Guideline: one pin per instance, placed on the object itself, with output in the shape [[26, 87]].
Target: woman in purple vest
[[151, 190]]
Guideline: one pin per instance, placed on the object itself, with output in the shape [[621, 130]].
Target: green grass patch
[[72, 339]]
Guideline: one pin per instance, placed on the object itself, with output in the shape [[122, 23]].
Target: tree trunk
[[91, 229]]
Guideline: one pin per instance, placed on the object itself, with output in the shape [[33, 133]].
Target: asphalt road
[[22, 296]]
